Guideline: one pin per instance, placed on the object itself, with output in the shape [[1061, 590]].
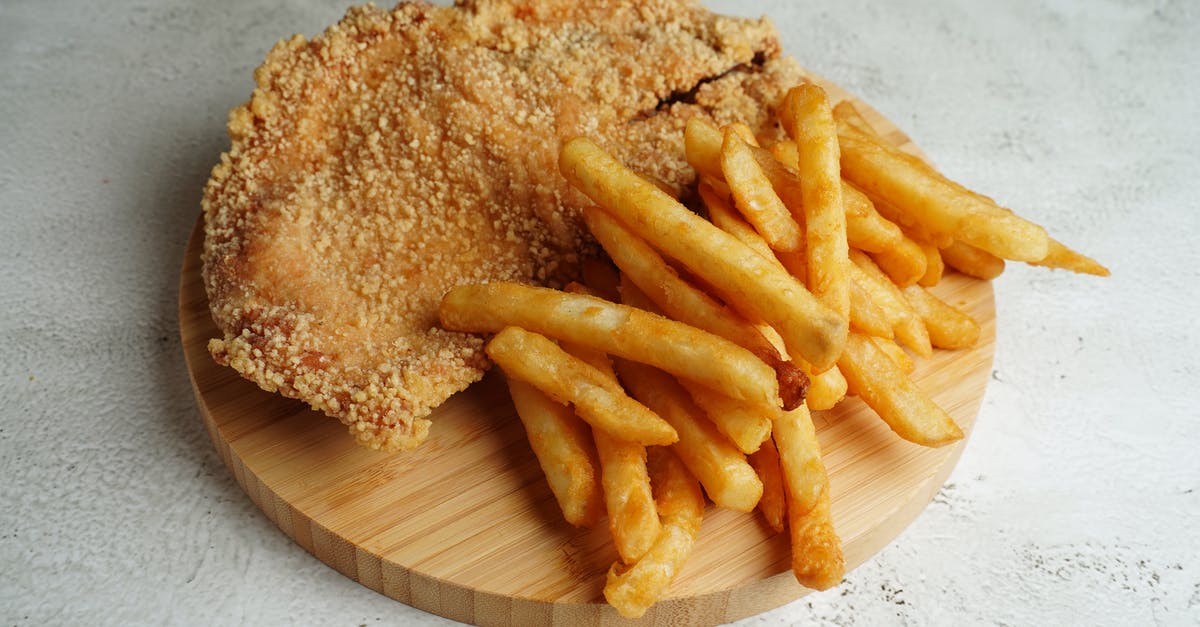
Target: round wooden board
[[466, 526]]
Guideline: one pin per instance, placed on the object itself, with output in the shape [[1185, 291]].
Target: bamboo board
[[466, 527]]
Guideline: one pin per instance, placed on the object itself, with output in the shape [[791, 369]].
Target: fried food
[[402, 152]]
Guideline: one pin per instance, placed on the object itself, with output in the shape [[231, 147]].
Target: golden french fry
[[633, 519], [848, 113], [723, 470], [633, 589], [880, 383], [773, 504], [948, 326], [907, 325], [562, 444], [807, 118], [598, 400], [929, 199], [746, 426], [817, 558], [743, 131], [866, 228], [745, 280], [825, 389], [865, 314], [725, 218], [934, 266], [898, 354], [615, 329], [972, 261], [904, 263], [800, 456], [754, 197], [1060, 256], [681, 300]]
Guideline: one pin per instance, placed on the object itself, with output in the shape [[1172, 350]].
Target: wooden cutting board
[[466, 526]]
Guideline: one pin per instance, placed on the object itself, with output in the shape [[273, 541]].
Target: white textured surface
[[1076, 502]]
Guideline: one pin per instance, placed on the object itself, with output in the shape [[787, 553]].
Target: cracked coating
[[403, 152]]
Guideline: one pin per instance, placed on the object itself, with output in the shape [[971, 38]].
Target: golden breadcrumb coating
[[403, 152]]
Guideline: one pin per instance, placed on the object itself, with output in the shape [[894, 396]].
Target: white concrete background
[[1076, 502]]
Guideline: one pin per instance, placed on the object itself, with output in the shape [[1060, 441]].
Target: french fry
[[817, 558], [598, 400], [934, 266], [935, 203], [908, 327], [1060, 256], [746, 281], [754, 197], [723, 470], [807, 118], [633, 589], [681, 300], [633, 519], [563, 446], [898, 354], [724, 217], [825, 389], [743, 131], [632, 516], [772, 505], [865, 314], [880, 383], [972, 261], [905, 263], [948, 326], [702, 142], [617, 330], [746, 426]]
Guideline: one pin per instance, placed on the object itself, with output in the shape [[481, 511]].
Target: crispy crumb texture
[[403, 152]]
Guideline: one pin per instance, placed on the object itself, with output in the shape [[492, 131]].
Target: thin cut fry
[[615, 329], [772, 505], [865, 314], [563, 446], [725, 218], [937, 204], [880, 383], [746, 281], [806, 116], [948, 326], [907, 325], [632, 517], [746, 426], [972, 261], [723, 471], [825, 389], [598, 400], [817, 559], [905, 263], [632, 590], [898, 354], [1060, 256], [934, 266], [681, 300], [755, 198]]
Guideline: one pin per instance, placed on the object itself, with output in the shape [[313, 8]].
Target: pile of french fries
[[692, 371]]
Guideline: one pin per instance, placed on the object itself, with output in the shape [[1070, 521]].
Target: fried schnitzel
[[403, 152]]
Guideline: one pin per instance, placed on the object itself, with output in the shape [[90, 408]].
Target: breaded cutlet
[[403, 152]]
